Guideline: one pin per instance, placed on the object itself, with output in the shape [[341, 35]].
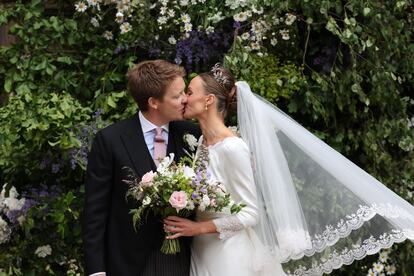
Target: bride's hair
[[221, 83]]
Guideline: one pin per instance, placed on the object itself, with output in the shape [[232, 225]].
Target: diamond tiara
[[218, 74]]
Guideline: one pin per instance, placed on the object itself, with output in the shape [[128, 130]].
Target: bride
[[306, 205]]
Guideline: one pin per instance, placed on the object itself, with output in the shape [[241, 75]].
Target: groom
[[112, 246]]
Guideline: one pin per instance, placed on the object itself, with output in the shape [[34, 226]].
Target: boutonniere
[[191, 141]]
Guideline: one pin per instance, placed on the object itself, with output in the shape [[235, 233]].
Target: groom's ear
[[153, 103]]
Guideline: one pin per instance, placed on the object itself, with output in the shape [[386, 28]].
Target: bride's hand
[[182, 227]]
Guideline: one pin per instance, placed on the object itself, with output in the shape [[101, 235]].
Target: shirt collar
[[147, 125]]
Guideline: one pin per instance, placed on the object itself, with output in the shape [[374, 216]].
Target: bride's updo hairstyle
[[221, 83]]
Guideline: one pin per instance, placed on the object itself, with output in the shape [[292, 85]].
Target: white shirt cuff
[[98, 273]]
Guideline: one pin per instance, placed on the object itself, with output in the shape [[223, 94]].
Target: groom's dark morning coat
[[110, 242]]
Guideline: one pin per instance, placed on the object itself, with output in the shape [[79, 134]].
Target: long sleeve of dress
[[237, 174]]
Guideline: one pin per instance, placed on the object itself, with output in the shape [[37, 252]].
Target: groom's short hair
[[150, 79]]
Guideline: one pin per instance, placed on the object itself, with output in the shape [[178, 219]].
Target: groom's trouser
[[159, 264]]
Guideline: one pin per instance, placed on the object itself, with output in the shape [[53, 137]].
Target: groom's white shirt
[[148, 129]]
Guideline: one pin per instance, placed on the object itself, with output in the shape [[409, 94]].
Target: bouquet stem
[[170, 246]]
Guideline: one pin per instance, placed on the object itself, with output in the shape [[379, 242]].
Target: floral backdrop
[[343, 69]]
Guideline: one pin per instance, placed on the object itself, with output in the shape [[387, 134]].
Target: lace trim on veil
[[343, 228]]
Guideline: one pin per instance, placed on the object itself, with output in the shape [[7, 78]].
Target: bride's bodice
[[229, 163]]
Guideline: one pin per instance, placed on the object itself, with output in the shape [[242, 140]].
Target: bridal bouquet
[[177, 189]]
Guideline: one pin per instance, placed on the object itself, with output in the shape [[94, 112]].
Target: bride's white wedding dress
[[235, 250]]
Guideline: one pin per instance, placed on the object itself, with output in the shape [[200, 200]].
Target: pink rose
[[147, 178], [178, 200]]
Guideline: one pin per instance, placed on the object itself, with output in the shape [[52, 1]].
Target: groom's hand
[[182, 227]]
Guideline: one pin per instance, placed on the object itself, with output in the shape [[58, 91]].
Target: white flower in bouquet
[[206, 200], [191, 141], [189, 172], [183, 3], [43, 251], [146, 201], [165, 163], [5, 231]]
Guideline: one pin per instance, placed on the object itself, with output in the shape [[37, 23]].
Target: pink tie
[[160, 149]]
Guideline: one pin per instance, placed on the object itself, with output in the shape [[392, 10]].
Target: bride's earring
[[206, 107]]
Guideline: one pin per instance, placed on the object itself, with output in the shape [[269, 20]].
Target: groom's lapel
[[175, 142], [136, 148]]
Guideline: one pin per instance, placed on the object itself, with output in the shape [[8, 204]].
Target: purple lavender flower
[[236, 25], [98, 112], [55, 168], [44, 163]]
